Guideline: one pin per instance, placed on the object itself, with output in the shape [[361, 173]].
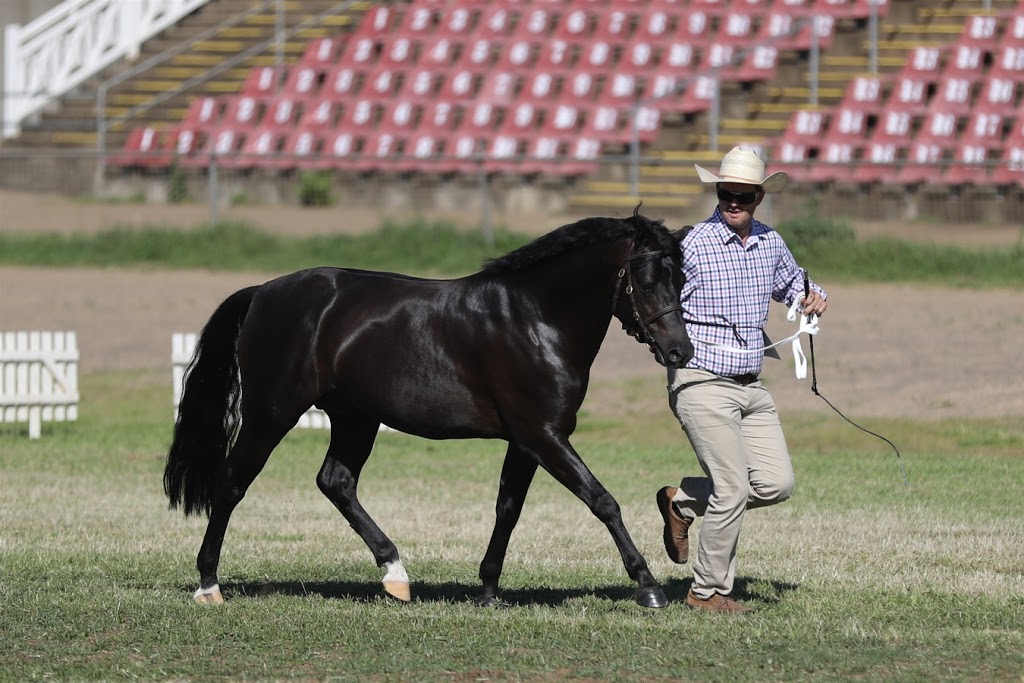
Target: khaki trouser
[[736, 434]]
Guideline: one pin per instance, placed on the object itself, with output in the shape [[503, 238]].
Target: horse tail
[[208, 416]]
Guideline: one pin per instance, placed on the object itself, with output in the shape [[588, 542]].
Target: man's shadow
[[761, 591]]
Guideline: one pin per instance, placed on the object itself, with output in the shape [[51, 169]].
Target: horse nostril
[[674, 357]]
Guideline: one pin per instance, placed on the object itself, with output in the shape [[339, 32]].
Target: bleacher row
[[524, 87], [951, 116]]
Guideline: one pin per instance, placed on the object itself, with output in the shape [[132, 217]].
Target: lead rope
[[814, 390]]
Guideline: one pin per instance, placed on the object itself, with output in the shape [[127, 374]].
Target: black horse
[[503, 353]]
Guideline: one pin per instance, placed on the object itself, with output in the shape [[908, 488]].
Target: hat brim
[[776, 182]]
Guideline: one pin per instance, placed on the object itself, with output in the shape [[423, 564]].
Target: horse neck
[[585, 282]]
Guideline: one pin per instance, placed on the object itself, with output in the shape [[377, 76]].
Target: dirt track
[[883, 350]]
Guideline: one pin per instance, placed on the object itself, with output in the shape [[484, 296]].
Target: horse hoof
[[652, 596], [209, 596], [486, 601], [399, 590]]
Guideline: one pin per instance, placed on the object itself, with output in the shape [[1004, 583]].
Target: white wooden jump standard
[[183, 345], [38, 378]]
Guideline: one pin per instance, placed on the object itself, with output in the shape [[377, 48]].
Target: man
[[734, 267]]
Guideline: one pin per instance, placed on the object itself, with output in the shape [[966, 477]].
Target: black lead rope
[[814, 390]]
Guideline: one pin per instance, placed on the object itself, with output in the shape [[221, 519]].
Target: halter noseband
[[626, 272]]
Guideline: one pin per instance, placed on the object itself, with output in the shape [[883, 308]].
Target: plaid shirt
[[728, 289]]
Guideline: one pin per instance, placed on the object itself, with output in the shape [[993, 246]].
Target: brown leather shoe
[[716, 603], [677, 527]]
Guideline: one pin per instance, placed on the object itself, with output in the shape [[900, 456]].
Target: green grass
[[856, 577], [440, 249]]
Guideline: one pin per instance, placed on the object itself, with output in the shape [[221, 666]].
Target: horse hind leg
[[352, 439], [516, 476], [256, 441]]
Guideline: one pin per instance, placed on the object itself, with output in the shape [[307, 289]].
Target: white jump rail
[[74, 41], [38, 378], [183, 345]]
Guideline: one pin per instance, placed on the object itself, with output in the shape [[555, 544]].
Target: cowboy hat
[[743, 166]]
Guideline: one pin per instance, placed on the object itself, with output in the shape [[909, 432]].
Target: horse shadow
[[763, 591]]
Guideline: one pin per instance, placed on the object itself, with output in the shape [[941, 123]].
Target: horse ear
[[682, 232]]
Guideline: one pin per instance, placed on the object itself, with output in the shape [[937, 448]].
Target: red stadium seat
[[477, 54], [923, 164], [243, 111], [437, 52], [504, 153], [517, 55], [736, 27], [359, 52], [302, 149], [282, 114], [481, 119], [380, 151], [303, 81], [320, 114], [143, 147], [1013, 35], [378, 22], [1008, 63], [342, 82], [760, 63], [848, 125], [697, 95], [421, 84], [861, 9], [461, 85], [536, 22], [359, 115], [462, 154], [893, 126], [879, 161], [969, 165], [398, 52], [924, 63], [955, 95], [497, 21], [836, 159], [321, 52], [203, 113], [418, 20], [655, 25], [544, 154], [439, 118], [523, 119], [222, 143], [637, 57], [607, 124], [263, 81], [793, 156], [399, 115], [540, 87], [967, 61], [865, 93], [421, 153], [382, 84], [910, 94], [555, 55], [499, 87], [985, 128], [599, 55], [582, 157], [999, 95], [341, 148], [576, 24], [1010, 170], [940, 128], [457, 20], [614, 24], [581, 86], [980, 30]]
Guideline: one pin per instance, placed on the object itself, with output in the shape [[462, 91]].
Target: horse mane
[[582, 233]]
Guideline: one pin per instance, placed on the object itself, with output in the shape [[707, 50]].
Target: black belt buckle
[[744, 380]]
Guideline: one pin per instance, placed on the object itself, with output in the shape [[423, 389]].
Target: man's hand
[[814, 304]]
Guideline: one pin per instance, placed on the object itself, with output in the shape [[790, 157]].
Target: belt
[[743, 380]]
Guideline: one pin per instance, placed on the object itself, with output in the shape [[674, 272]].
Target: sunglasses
[[738, 197]]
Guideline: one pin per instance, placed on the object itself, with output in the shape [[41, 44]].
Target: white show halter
[[808, 325]]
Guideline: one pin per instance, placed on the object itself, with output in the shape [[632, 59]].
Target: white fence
[[72, 42], [183, 345], [38, 378]]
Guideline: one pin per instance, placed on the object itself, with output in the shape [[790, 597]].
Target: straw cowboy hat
[[743, 166]]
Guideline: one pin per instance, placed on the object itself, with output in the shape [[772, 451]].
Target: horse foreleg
[[351, 442], [561, 460], [516, 475], [243, 464]]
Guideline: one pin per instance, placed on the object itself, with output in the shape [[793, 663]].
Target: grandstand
[[596, 104]]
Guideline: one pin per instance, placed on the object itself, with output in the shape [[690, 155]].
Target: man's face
[[737, 202]]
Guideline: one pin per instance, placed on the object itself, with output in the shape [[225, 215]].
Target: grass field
[[855, 578]]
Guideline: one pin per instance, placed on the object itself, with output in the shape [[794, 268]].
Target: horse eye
[[646, 287]]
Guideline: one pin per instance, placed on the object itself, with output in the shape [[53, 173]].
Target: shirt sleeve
[[789, 279]]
